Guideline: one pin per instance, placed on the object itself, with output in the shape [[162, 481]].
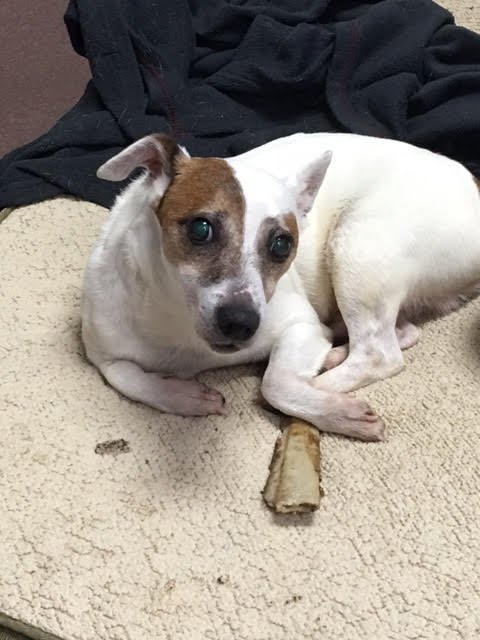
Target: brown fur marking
[[270, 270], [204, 187], [291, 224], [165, 161]]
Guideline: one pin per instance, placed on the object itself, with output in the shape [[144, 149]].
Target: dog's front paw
[[192, 398], [360, 421]]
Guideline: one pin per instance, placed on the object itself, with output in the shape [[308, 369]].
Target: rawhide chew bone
[[293, 485]]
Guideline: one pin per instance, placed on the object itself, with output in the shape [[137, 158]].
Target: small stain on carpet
[[169, 586], [294, 598], [112, 447]]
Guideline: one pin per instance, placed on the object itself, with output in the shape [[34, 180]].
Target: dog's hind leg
[[370, 283], [373, 353], [372, 273], [172, 395], [407, 336]]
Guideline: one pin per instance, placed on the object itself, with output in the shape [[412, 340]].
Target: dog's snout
[[237, 321]]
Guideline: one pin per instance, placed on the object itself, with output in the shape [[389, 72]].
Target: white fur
[[393, 229]]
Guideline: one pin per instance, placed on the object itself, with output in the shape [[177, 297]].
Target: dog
[[272, 255]]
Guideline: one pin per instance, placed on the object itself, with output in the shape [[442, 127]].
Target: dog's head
[[229, 231]]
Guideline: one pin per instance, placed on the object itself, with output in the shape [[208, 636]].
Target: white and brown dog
[[208, 262]]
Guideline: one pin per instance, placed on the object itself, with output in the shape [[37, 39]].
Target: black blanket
[[223, 76]]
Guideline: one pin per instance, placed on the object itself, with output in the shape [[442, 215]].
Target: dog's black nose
[[237, 320]]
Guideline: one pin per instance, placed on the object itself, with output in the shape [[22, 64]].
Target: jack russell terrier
[[208, 262]]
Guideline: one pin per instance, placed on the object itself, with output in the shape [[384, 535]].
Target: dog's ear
[[158, 153], [308, 182]]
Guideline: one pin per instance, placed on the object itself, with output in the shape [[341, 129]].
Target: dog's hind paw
[[335, 357]]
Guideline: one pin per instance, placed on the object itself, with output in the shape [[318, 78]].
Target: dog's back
[[385, 203]]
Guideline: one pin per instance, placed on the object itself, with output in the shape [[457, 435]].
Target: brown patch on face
[[272, 270], [477, 182], [290, 222], [204, 188]]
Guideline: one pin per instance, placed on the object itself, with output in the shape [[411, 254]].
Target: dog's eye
[[280, 247], [200, 231]]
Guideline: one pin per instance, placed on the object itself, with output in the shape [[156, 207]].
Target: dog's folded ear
[[308, 182], [158, 153]]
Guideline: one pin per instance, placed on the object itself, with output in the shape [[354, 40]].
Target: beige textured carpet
[[169, 538]]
